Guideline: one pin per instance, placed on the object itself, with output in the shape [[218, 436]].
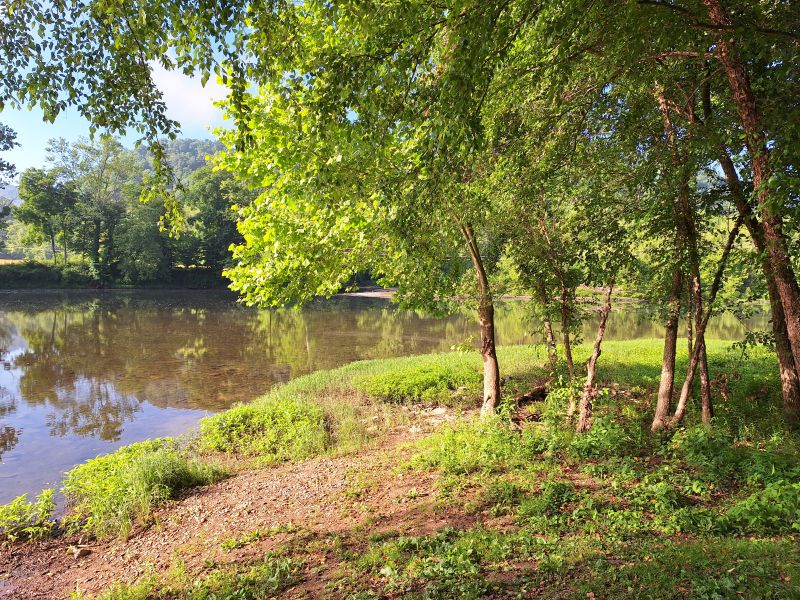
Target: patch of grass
[[433, 379], [451, 563], [109, 494], [705, 567], [23, 520], [274, 430], [478, 445], [256, 535], [263, 579]]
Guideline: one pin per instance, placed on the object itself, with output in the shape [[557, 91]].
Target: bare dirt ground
[[311, 500]]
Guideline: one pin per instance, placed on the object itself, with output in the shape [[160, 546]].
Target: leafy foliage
[[429, 381], [274, 430], [109, 494], [20, 519]]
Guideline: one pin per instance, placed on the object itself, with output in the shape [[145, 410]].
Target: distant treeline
[[79, 221]]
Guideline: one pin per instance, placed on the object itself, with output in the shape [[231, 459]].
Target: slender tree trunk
[[775, 240], [664, 402], [699, 348], [705, 379], [687, 229], [790, 376], [565, 319], [589, 391], [550, 339], [96, 247], [491, 368], [53, 248], [64, 235], [689, 328], [707, 407]]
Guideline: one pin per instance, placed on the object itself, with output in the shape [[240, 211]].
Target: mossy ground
[[497, 507]]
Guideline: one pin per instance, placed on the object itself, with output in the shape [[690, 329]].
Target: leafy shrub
[[708, 449], [659, 496], [29, 274], [421, 381], [265, 579], [485, 444], [775, 509], [553, 496], [77, 275], [606, 438], [502, 495], [762, 467], [108, 494], [20, 519], [272, 429], [554, 411]]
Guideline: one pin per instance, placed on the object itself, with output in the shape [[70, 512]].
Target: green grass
[[702, 511], [272, 429], [108, 495], [262, 579]]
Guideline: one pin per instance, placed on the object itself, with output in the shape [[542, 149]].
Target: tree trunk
[[689, 328], [550, 339], [699, 347], [95, 251], [491, 368], [589, 391], [774, 238], [664, 402], [707, 408], [790, 376], [64, 235], [53, 248], [565, 314]]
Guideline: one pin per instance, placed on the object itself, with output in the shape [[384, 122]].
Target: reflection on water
[[84, 373]]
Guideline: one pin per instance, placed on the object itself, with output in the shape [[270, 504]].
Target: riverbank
[[32, 275], [376, 480]]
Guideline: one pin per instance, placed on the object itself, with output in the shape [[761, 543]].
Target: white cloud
[[188, 101]]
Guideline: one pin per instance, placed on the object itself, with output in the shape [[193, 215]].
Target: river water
[[86, 372]]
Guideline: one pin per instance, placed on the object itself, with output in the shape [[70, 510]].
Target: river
[[86, 372]]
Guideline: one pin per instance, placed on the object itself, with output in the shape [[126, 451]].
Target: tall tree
[[48, 206]]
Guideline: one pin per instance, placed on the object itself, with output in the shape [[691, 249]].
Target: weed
[[274, 430], [425, 380], [110, 493], [20, 519], [260, 580]]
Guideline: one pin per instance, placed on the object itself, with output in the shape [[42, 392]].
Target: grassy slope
[[709, 512]]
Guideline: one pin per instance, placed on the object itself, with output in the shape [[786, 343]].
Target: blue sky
[[188, 102]]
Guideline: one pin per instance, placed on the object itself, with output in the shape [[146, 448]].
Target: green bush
[[422, 380], [110, 493], [707, 449], [606, 438], [31, 274], [550, 500], [775, 509], [264, 579], [20, 519], [485, 444], [272, 429]]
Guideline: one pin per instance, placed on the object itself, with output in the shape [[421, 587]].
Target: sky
[[188, 102]]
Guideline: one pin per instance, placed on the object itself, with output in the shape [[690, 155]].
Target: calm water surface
[[85, 372]]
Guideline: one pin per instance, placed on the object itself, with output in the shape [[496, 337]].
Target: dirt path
[[313, 499]]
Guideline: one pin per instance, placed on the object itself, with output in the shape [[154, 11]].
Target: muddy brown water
[[82, 373]]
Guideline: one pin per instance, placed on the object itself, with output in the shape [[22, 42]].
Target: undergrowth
[[702, 511], [109, 494]]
